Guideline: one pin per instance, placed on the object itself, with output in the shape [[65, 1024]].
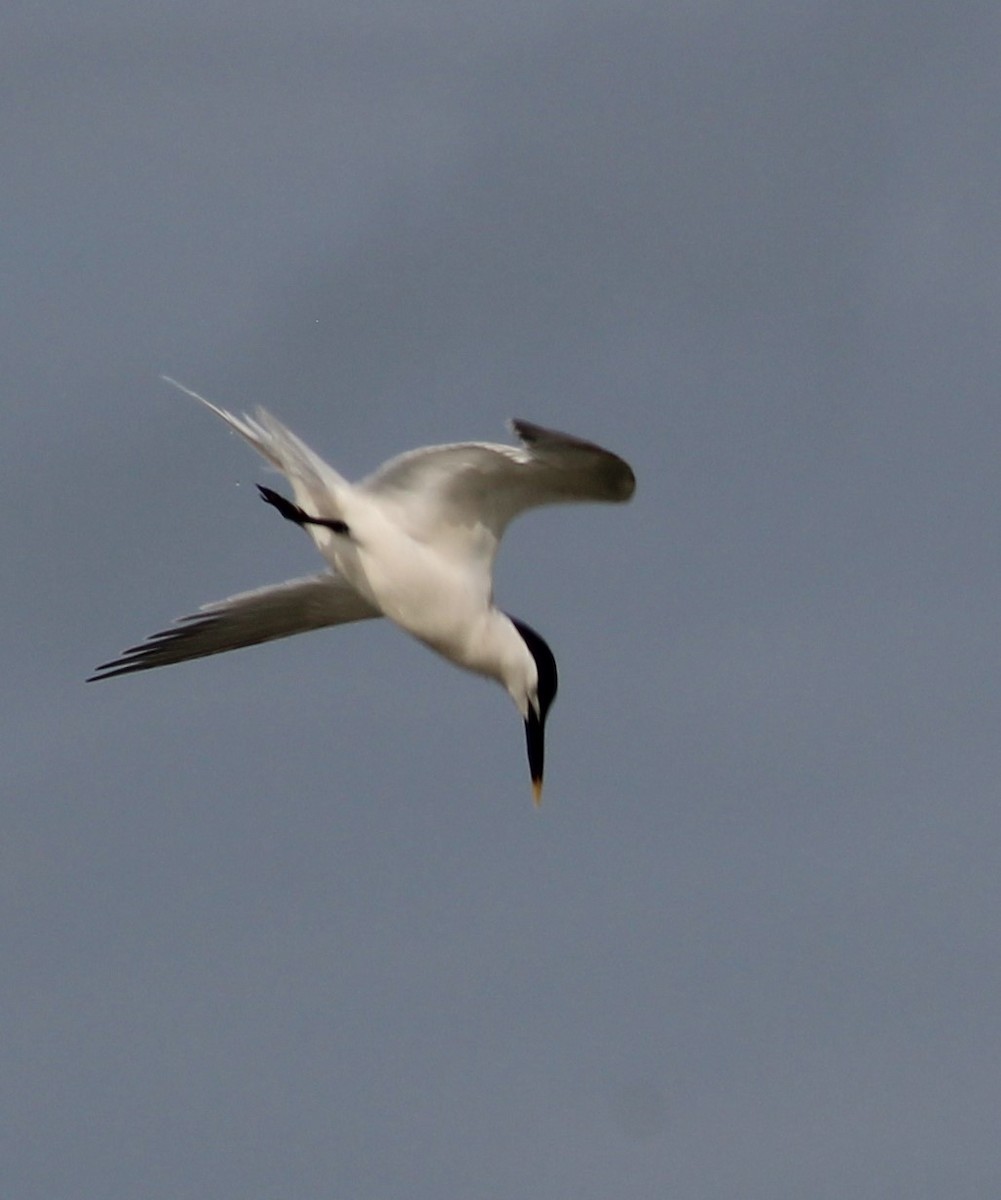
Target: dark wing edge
[[608, 477], [247, 619]]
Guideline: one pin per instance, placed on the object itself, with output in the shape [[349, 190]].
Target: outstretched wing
[[244, 620], [461, 497]]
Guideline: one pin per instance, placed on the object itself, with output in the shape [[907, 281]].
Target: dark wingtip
[[111, 669], [616, 476]]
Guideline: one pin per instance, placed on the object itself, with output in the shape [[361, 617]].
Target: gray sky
[[284, 923]]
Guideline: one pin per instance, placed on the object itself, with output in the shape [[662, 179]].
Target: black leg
[[292, 512]]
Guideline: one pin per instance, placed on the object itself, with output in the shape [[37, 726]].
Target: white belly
[[434, 599]]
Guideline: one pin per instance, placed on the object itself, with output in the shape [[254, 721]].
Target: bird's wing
[[317, 486], [461, 497], [244, 620]]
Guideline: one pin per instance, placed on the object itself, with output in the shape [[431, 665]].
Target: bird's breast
[[432, 598]]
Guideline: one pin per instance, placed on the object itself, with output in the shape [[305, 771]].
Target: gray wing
[[567, 468], [461, 497], [245, 620]]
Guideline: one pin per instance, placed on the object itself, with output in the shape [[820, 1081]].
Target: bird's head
[[534, 694]]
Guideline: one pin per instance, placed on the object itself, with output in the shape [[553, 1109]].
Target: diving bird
[[414, 542]]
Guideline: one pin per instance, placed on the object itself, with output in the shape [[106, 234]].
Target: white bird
[[415, 542]]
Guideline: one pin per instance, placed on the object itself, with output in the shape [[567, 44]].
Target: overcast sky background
[[285, 923]]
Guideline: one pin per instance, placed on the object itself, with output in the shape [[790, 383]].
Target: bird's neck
[[491, 646], [510, 662]]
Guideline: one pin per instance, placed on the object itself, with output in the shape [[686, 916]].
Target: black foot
[[292, 512]]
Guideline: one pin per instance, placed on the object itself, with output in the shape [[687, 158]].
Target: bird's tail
[[317, 486]]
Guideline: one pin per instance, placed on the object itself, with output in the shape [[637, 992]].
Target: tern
[[414, 542]]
